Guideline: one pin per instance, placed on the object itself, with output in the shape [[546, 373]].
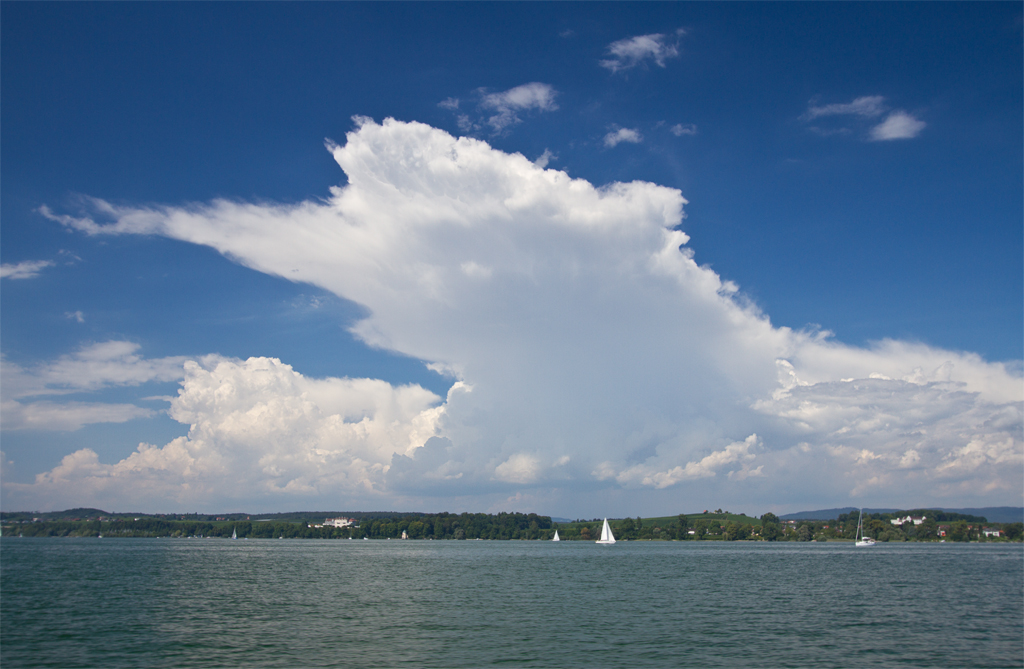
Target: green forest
[[707, 526]]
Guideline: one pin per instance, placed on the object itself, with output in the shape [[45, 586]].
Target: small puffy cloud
[[591, 349], [507, 104], [680, 129], [868, 105], [898, 125], [28, 269], [76, 316], [502, 110], [627, 53], [528, 96], [616, 137]]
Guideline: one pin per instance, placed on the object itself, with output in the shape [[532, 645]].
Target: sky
[[574, 259]]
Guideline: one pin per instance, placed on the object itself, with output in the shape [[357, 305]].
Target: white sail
[[556, 536], [606, 534], [234, 533], [859, 537]]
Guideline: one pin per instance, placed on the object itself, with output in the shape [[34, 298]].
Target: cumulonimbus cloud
[[592, 349]]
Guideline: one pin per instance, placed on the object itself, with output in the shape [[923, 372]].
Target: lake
[[303, 603]]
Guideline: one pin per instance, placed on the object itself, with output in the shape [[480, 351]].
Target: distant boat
[[556, 536], [606, 534], [234, 534], [861, 539]]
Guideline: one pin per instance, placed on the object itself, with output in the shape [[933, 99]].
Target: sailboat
[[606, 534], [861, 539], [556, 536], [234, 533]]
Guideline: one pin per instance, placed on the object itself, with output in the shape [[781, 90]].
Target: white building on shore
[[339, 522], [917, 520]]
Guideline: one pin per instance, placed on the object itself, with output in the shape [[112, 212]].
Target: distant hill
[[829, 514], [994, 514]]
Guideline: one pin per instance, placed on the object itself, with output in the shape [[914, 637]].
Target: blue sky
[[807, 294]]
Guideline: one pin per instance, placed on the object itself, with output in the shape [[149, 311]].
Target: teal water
[[300, 603]]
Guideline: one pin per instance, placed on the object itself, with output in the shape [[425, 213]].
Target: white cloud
[[616, 137], [519, 468], [898, 125], [597, 351], [257, 428], [508, 104], [868, 105], [28, 269], [630, 52], [93, 367], [76, 316], [66, 417], [543, 159], [680, 129], [706, 467]]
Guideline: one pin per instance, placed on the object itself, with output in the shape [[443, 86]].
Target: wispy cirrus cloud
[[27, 269], [868, 105], [627, 53], [67, 416], [93, 367]]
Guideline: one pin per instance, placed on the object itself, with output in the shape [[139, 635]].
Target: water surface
[[303, 603]]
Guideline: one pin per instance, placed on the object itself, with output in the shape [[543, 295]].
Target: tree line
[[415, 526], [520, 526], [957, 527]]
